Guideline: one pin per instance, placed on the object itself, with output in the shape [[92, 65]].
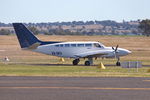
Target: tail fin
[[25, 37]]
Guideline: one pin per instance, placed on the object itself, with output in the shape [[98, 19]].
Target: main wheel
[[75, 62], [87, 63], [118, 64]]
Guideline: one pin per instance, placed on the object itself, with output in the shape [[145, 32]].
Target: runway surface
[[74, 88]]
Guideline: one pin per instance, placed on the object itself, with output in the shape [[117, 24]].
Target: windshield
[[98, 45]]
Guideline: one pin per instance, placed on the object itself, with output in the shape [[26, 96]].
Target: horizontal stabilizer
[[34, 46]]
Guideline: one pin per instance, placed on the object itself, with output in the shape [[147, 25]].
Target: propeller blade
[[115, 51], [113, 48], [116, 48]]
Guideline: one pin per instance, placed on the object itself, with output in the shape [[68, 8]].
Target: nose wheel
[[118, 62]]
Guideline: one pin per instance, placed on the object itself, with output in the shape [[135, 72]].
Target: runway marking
[[76, 88]]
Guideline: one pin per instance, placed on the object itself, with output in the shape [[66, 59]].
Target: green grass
[[70, 71]]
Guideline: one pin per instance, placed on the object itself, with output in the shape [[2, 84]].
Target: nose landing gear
[[118, 62]]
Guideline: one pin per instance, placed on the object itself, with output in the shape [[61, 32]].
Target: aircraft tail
[[25, 37]]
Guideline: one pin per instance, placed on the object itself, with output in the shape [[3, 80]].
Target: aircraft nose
[[124, 52], [128, 51]]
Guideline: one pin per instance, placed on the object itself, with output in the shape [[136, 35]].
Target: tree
[[4, 32], [34, 30], [145, 27]]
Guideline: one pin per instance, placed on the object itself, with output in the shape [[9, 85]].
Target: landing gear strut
[[76, 61], [118, 62]]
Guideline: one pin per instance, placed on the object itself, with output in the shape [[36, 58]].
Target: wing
[[97, 53]]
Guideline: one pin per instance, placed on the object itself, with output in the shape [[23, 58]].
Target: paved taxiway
[[71, 88]]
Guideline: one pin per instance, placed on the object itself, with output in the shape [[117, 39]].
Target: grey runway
[[74, 88]]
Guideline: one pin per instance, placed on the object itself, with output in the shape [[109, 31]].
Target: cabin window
[[56, 45], [97, 45], [61, 45], [67, 45], [73, 45], [88, 45], [80, 45]]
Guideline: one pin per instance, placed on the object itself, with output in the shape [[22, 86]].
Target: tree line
[[143, 27], [5, 32]]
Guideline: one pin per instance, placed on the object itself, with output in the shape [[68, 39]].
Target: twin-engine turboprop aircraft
[[74, 50]]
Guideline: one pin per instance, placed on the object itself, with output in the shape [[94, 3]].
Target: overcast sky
[[70, 10]]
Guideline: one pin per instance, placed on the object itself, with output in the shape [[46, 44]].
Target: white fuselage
[[75, 49]]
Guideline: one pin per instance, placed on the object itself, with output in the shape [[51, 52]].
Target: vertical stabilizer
[[25, 37]]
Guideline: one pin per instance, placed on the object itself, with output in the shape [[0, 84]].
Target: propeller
[[115, 50]]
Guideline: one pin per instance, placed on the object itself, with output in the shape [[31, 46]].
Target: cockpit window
[[97, 45]]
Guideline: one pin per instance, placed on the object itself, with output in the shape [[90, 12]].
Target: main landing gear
[[89, 62], [76, 61]]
